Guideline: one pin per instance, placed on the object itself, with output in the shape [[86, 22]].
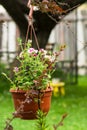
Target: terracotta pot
[[26, 106]]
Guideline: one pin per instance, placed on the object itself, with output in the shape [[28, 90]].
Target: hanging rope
[[26, 39], [30, 24], [35, 37]]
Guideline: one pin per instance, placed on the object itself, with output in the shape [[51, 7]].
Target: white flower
[[29, 41], [21, 55], [36, 51], [43, 51], [50, 58]]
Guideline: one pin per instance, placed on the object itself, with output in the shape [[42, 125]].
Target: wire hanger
[[30, 24]]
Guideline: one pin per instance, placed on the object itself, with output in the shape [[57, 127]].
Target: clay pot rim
[[24, 91]]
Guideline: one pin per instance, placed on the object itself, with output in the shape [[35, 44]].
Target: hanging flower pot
[[27, 103], [30, 86]]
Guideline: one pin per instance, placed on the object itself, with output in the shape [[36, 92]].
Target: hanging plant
[[32, 80]]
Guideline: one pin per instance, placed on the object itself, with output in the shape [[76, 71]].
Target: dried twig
[[60, 123]]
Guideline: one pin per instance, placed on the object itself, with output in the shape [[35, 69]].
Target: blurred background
[[71, 69]]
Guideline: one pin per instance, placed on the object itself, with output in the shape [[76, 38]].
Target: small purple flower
[[16, 69], [32, 50]]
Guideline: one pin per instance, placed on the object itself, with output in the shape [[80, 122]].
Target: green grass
[[74, 103]]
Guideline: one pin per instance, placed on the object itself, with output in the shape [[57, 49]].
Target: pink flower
[[16, 69], [32, 50]]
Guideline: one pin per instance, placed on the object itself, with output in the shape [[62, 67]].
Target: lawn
[[74, 103]]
